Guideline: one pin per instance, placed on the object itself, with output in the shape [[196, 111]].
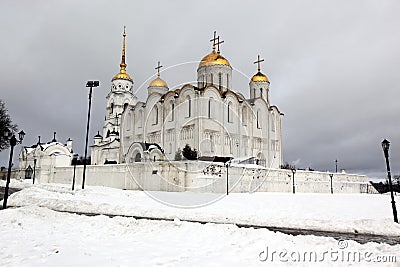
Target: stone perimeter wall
[[200, 176]]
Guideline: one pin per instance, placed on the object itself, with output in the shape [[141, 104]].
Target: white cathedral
[[209, 116]]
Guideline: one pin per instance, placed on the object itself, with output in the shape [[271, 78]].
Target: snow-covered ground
[[35, 235], [365, 213], [17, 183]]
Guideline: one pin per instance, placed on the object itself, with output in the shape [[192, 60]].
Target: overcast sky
[[334, 67]]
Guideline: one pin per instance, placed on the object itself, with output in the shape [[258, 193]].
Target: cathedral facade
[[209, 116]]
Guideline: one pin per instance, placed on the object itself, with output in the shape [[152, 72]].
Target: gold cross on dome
[[258, 62], [218, 43], [214, 39], [158, 68]]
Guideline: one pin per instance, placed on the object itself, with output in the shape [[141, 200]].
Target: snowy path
[[360, 238]]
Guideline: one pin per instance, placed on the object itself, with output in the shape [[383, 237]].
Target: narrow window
[[112, 108], [212, 78], [140, 122], [128, 123], [227, 80], [172, 110], [258, 120], [244, 116], [209, 107], [229, 112], [220, 80], [155, 115], [273, 122], [189, 106]]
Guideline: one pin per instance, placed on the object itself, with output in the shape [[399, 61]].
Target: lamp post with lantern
[[90, 85], [293, 169], [13, 143], [385, 147]]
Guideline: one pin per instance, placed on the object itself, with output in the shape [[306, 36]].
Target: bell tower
[[120, 97]]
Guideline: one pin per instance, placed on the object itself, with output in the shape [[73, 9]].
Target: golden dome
[[214, 58], [259, 77], [123, 76], [158, 82]]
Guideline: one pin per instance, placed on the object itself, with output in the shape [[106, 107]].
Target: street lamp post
[[89, 84], [74, 162], [227, 164], [385, 147], [336, 165], [293, 172], [13, 143], [331, 175], [34, 171]]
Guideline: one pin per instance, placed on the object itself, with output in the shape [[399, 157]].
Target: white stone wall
[[205, 177]]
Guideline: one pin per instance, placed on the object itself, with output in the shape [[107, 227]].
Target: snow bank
[[338, 212]]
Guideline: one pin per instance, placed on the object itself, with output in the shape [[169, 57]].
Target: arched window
[[112, 108], [273, 122], [258, 119], [138, 157], [261, 92], [128, 121], [155, 115], [227, 81], [189, 102], [140, 120], [244, 116], [211, 78], [220, 81], [209, 107], [229, 112], [172, 105]]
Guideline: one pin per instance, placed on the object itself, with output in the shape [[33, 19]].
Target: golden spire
[[122, 71], [123, 64]]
